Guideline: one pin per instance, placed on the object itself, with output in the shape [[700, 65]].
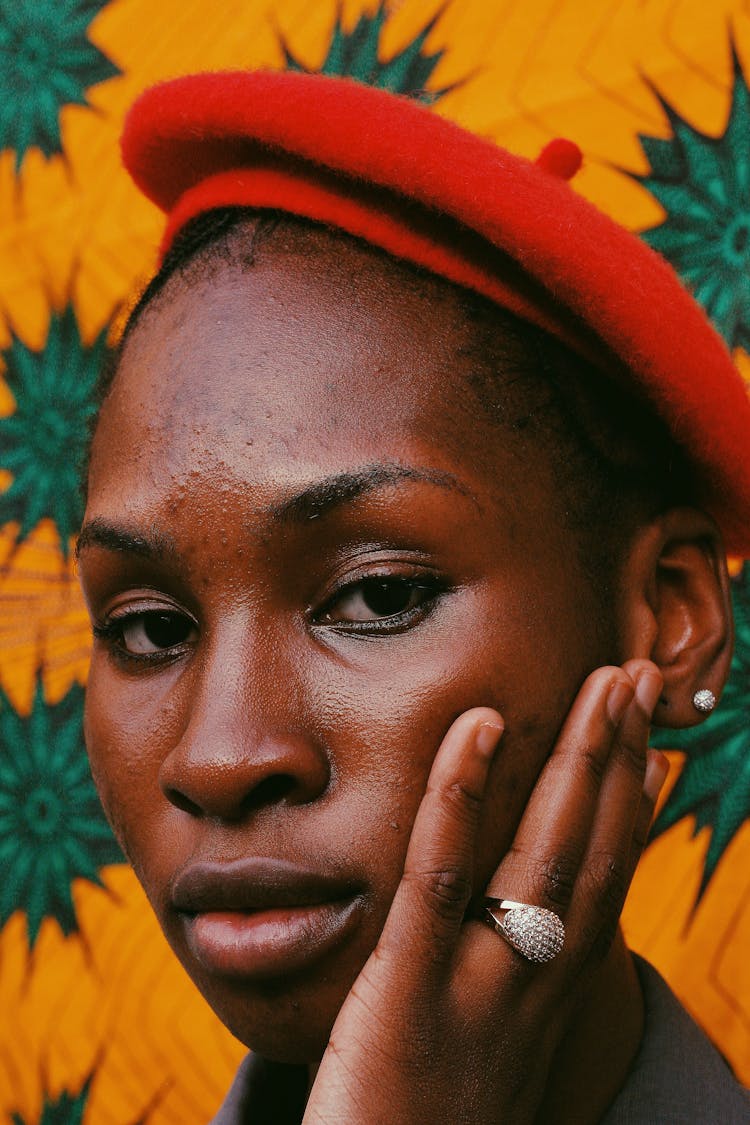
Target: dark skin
[[288, 453]]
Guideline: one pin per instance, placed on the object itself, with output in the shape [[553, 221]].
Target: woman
[[401, 529]]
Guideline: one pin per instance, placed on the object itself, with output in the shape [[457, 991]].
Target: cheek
[[403, 708], [127, 728], [384, 730]]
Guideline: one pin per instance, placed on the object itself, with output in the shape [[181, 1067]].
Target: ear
[[676, 610]]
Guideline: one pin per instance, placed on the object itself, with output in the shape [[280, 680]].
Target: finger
[[542, 863], [431, 899], [657, 768], [606, 867]]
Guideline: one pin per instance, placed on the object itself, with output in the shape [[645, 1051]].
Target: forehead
[[318, 355]]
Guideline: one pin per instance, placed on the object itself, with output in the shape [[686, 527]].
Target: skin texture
[[274, 728]]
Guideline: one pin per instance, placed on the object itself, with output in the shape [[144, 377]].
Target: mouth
[[262, 918]]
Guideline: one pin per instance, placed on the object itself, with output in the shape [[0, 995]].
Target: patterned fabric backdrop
[[99, 1025]]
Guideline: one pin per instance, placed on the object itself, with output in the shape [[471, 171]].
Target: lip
[[262, 917]]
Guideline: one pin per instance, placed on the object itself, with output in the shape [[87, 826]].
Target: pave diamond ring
[[537, 934]]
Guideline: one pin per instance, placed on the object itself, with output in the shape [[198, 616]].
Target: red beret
[[397, 175]]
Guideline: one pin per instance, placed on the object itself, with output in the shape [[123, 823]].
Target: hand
[[446, 1022]]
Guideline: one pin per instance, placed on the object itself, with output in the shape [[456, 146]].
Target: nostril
[[229, 779], [270, 791], [180, 801]]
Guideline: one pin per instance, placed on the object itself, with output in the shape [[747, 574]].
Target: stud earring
[[704, 700]]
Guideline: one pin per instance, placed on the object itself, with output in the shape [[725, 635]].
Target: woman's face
[[307, 549]]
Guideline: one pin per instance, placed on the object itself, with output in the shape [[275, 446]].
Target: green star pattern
[[43, 443], [67, 1110], [47, 62], [714, 786], [52, 828], [356, 54], [703, 184]]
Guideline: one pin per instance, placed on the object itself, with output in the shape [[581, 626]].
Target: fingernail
[[487, 738], [647, 691], [657, 768], [620, 695]]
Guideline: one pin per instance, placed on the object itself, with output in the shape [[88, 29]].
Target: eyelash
[[395, 623], [111, 630]]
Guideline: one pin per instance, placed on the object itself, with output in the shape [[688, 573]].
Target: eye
[[380, 601], [150, 632]]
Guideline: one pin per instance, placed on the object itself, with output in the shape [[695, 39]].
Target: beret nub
[[399, 176], [561, 157]]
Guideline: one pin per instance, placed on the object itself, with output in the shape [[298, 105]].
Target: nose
[[244, 747], [226, 781]]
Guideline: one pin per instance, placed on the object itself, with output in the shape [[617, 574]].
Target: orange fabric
[[107, 999]]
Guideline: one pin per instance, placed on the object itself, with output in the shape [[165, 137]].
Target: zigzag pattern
[[109, 1000]]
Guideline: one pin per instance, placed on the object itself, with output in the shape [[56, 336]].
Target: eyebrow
[[152, 544], [324, 495], [310, 503]]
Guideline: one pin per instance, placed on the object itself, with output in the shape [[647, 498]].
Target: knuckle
[[607, 879], [558, 878], [445, 892], [461, 799], [593, 762]]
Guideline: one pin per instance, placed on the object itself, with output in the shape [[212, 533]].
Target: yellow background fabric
[[98, 1022]]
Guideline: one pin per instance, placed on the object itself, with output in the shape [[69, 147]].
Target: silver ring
[[537, 934]]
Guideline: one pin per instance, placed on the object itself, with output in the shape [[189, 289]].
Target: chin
[[276, 1020], [286, 1016], [277, 978]]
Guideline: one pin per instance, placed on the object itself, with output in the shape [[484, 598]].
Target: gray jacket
[[678, 1077]]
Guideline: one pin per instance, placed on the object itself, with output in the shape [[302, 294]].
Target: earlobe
[[677, 610]]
